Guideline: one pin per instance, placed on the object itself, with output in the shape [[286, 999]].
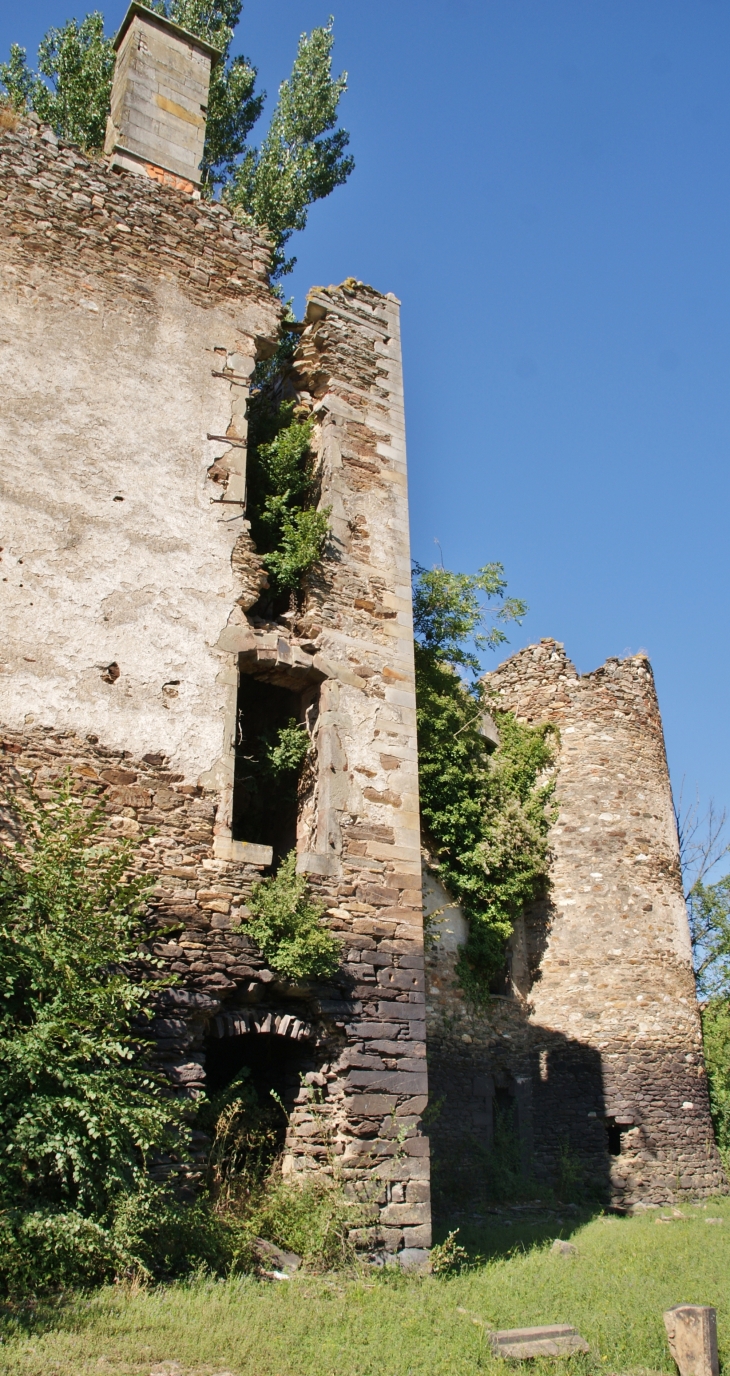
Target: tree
[[295, 164], [702, 845], [486, 815], [449, 616], [78, 62], [80, 1109], [299, 160]]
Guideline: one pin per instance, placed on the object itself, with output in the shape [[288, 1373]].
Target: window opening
[[615, 1135], [271, 745]]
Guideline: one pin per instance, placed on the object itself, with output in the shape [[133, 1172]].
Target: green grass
[[628, 1270]]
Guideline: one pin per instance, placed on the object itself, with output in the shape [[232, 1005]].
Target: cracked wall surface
[[601, 1029]]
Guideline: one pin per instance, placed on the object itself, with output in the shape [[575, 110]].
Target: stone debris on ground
[[692, 1333], [564, 1249], [273, 1261], [551, 1340]]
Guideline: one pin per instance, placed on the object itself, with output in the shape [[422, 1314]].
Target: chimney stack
[[159, 99]]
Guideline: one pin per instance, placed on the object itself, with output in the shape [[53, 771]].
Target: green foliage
[[161, 1235], [449, 1256], [448, 613], [233, 108], [487, 815], [245, 1140], [287, 530], [290, 751], [716, 1036], [299, 162], [78, 62], [311, 1218], [80, 1110], [287, 926], [708, 906], [43, 1249]]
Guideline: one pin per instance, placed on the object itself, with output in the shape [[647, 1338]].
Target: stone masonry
[[596, 1040], [133, 315]]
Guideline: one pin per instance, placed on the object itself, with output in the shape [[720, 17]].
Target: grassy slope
[[627, 1272]]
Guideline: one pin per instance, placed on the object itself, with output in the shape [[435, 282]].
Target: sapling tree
[[702, 846]]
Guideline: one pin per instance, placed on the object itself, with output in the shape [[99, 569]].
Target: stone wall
[[131, 319], [598, 1039], [133, 316]]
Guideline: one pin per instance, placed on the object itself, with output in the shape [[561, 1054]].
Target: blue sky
[[544, 185]]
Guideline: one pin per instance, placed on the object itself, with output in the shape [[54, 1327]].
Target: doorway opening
[[253, 1082], [271, 746]]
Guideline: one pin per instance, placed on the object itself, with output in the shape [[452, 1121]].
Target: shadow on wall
[[516, 1118]]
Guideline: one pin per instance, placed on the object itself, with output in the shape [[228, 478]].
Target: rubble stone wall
[[132, 319], [601, 1030]]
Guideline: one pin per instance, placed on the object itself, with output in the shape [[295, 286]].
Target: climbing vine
[[486, 812]]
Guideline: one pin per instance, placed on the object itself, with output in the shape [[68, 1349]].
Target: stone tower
[[595, 1044], [134, 315]]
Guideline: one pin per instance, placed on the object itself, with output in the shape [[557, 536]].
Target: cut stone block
[[552, 1340], [692, 1333]]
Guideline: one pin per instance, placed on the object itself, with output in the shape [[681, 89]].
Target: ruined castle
[[134, 315]]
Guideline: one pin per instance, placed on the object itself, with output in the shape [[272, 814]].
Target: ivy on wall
[[486, 812]]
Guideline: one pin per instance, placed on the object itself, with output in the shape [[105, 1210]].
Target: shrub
[[80, 1108], [163, 1236], [287, 530], [42, 1249], [311, 1217], [287, 926], [487, 815]]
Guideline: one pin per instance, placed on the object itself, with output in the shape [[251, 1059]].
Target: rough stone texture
[[132, 319], [552, 1340], [692, 1334], [597, 1044]]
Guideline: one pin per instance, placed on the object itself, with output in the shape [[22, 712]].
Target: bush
[[164, 1236], [487, 815], [311, 1218], [287, 926], [80, 1108], [42, 1249], [287, 530]]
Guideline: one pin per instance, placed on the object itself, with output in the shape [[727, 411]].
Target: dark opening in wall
[[271, 746], [615, 1135], [275, 1065], [505, 1109]]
